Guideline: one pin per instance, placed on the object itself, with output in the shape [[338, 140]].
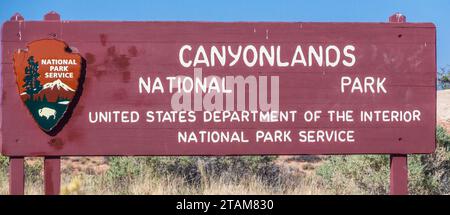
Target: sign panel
[[191, 88]]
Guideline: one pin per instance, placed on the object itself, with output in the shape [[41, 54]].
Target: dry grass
[[4, 184], [352, 175], [31, 187], [147, 183]]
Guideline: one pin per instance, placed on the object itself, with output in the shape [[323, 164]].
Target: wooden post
[[398, 163], [52, 175], [52, 16], [16, 176], [399, 175], [16, 164]]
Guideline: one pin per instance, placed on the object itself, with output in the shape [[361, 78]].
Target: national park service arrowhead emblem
[[49, 78]]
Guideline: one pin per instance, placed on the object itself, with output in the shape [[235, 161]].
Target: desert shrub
[[428, 174], [183, 166], [370, 174], [4, 163], [442, 137], [366, 173], [436, 169], [195, 170], [34, 171], [73, 187], [418, 181], [33, 175], [123, 169]]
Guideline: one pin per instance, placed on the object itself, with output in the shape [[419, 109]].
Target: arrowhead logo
[[49, 78]]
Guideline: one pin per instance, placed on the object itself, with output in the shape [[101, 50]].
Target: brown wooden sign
[[200, 88]]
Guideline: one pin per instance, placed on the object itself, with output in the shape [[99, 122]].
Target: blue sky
[[437, 11]]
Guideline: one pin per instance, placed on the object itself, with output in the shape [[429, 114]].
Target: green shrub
[[123, 169], [436, 169], [428, 174], [442, 137], [4, 163], [195, 169], [419, 182], [183, 166], [369, 173], [34, 171], [233, 167]]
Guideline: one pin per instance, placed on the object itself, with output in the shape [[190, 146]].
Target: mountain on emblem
[[48, 76]]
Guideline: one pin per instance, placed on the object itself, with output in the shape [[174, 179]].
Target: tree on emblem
[[32, 84]]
